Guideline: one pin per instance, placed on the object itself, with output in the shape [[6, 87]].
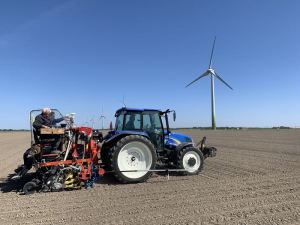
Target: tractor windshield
[[119, 121]]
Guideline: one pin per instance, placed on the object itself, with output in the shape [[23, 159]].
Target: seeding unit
[[77, 163]]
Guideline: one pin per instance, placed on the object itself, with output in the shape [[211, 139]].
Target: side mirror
[[174, 115]]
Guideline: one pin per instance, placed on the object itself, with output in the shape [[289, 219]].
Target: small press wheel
[[30, 188]]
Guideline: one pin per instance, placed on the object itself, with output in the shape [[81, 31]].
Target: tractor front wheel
[[135, 154], [191, 159]]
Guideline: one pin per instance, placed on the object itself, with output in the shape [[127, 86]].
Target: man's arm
[[57, 120]]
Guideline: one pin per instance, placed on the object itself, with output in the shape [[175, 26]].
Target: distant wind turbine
[[102, 117], [213, 74], [93, 122], [87, 123]]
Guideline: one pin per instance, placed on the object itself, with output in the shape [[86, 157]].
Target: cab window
[[133, 121]]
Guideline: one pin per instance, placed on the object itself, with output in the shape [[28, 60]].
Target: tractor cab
[[144, 121], [140, 141]]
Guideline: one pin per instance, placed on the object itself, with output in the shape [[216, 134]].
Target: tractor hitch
[[209, 152]]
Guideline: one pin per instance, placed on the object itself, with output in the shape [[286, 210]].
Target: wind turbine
[[103, 117], [213, 74], [93, 122]]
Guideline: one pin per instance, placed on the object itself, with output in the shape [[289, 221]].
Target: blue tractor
[[140, 141]]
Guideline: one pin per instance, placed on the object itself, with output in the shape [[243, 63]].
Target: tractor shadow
[[110, 179], [166, 173], [9, 185]]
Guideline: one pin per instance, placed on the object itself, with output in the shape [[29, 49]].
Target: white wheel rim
[[134, 156], [187, 157]]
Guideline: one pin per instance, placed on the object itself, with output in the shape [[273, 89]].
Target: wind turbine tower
[[102, 117], [213, 74]]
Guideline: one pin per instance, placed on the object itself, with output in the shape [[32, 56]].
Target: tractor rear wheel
[[133, 153], [191, 159]]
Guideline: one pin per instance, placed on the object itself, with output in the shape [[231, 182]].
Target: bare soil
[[254, 179]]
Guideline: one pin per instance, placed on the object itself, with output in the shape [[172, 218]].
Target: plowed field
[[254, 179]]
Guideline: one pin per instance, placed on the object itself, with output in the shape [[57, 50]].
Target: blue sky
[[81, 56]]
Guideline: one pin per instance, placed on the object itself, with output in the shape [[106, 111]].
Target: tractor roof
[[136, 109]]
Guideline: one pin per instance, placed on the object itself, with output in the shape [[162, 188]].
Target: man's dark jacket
[[40, 120]]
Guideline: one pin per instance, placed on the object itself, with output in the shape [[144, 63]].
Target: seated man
[[130, 123], [43, 121]]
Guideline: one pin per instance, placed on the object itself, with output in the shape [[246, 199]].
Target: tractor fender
[[178, 149], [117, 137]]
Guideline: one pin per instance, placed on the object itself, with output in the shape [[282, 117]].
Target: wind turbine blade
[[217, 76], [203, 75], [212, 52], [104, 117]]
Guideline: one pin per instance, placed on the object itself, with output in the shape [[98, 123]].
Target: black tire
[[190, 158], [133, 152], [37, 181], [104, 156], [30, 188]]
